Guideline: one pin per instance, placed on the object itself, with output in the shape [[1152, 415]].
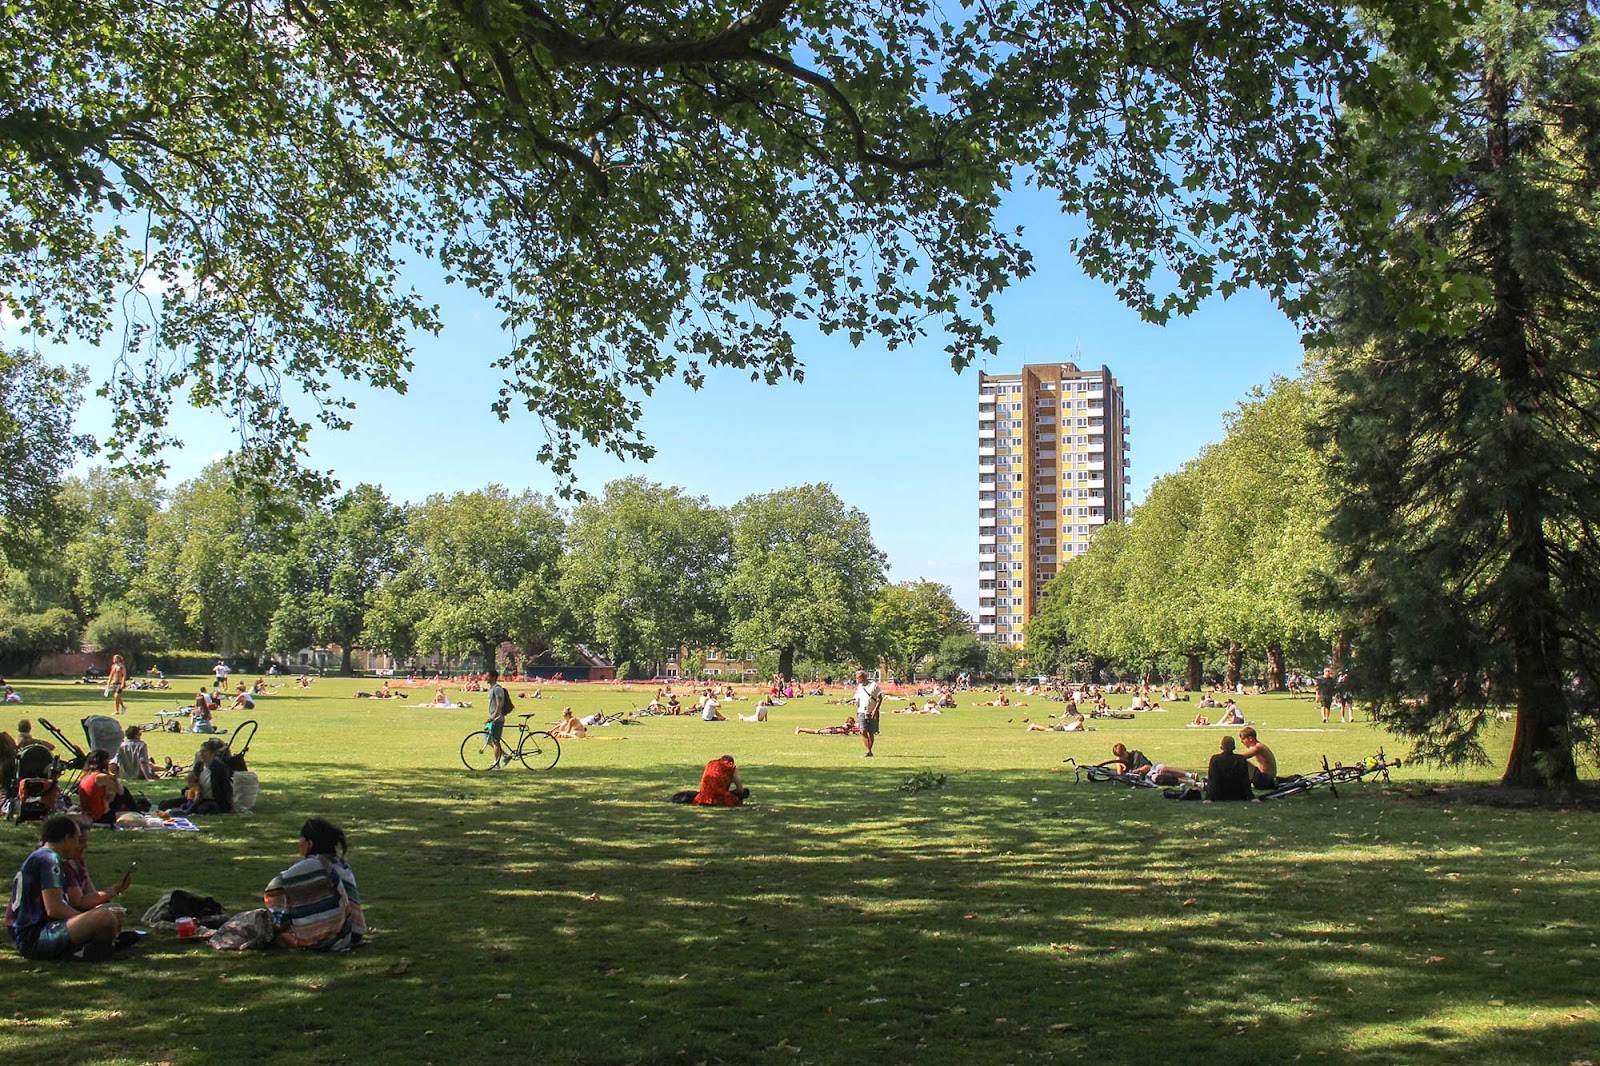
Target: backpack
[[506, 706]]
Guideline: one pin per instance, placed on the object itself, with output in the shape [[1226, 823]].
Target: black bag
[[684, 797]]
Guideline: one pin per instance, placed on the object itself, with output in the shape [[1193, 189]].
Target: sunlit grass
[[1014, 915]]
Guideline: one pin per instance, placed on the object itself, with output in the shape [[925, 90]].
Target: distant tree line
[[635, 573]]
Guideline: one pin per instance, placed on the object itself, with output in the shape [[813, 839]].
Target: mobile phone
[[132, 866]]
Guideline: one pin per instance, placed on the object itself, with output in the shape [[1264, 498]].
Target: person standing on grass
[[869, 699], [498, 705], [1325, 688], [115, 682]]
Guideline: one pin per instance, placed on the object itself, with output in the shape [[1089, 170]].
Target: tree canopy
[[644, 190]]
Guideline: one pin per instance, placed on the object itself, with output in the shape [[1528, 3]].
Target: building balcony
[[1097, 466], [1044, 455], [985, 629], [986, 434], [985, 541], [1096, 520], [985, 451], [987, 468], [1095, 483]]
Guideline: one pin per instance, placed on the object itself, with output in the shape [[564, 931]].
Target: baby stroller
[[233, 754], [32, 787]]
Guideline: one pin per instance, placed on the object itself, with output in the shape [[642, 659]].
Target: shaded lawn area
[[574, 916]]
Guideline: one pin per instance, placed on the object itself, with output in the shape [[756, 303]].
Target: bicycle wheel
[[539, 750], [477, 751]]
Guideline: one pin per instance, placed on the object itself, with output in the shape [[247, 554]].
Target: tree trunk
[[1230, 676], [1340, 652], [786, 663], [1541, 751], [344, 658], [1193, 679], [486, 649], [1277, 679]]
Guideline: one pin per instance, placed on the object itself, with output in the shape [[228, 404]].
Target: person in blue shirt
[[43, 925]]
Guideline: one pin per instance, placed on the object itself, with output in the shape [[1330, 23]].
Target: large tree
[[484, 570], [644, 189], [1467, 399], [910, 619], [327, 580], [644, 570], [221, 554], [37, 445], [805, 571]]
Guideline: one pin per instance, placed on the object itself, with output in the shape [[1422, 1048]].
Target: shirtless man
[[1264, 775]]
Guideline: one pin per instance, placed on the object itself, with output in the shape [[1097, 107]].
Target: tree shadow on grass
[[575, 916]]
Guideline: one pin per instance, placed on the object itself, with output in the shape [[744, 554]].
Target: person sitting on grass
[[212, 784], [315, 903], [25, 736], [569, 728], [760, 714], [80, 891], [133, 757], [850, 728], [242, 701], [1228, 776], [720, 785], [100, 795], [1231, 715], [709, 711], [43, 925], [1264, 775]]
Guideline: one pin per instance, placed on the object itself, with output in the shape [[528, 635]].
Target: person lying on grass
[[43, 925], [1129, 762], [720, 785], [850, 728], [315, 903], [1073, 723]]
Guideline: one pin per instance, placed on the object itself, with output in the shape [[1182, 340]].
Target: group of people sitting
[[1231, 715], [1235, 773], [104, 790], [56, 911]]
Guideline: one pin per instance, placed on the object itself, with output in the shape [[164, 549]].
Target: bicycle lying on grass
[[1332, 776], [534, 748], [1107, 771]]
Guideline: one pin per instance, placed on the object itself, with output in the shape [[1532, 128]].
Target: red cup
[[187, 927]]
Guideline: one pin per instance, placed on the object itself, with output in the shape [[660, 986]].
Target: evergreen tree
[[1463, 424]]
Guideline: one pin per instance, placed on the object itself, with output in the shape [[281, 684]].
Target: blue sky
[[894, 433]]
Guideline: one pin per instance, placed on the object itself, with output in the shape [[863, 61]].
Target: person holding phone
[[80, 891]]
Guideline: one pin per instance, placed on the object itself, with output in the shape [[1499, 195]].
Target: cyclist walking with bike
[[499, 705]]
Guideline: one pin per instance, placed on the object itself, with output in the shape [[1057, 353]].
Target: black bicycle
[[534, 748], [1377, 765]]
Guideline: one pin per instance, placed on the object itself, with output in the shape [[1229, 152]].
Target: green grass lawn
[[1013, 916]]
